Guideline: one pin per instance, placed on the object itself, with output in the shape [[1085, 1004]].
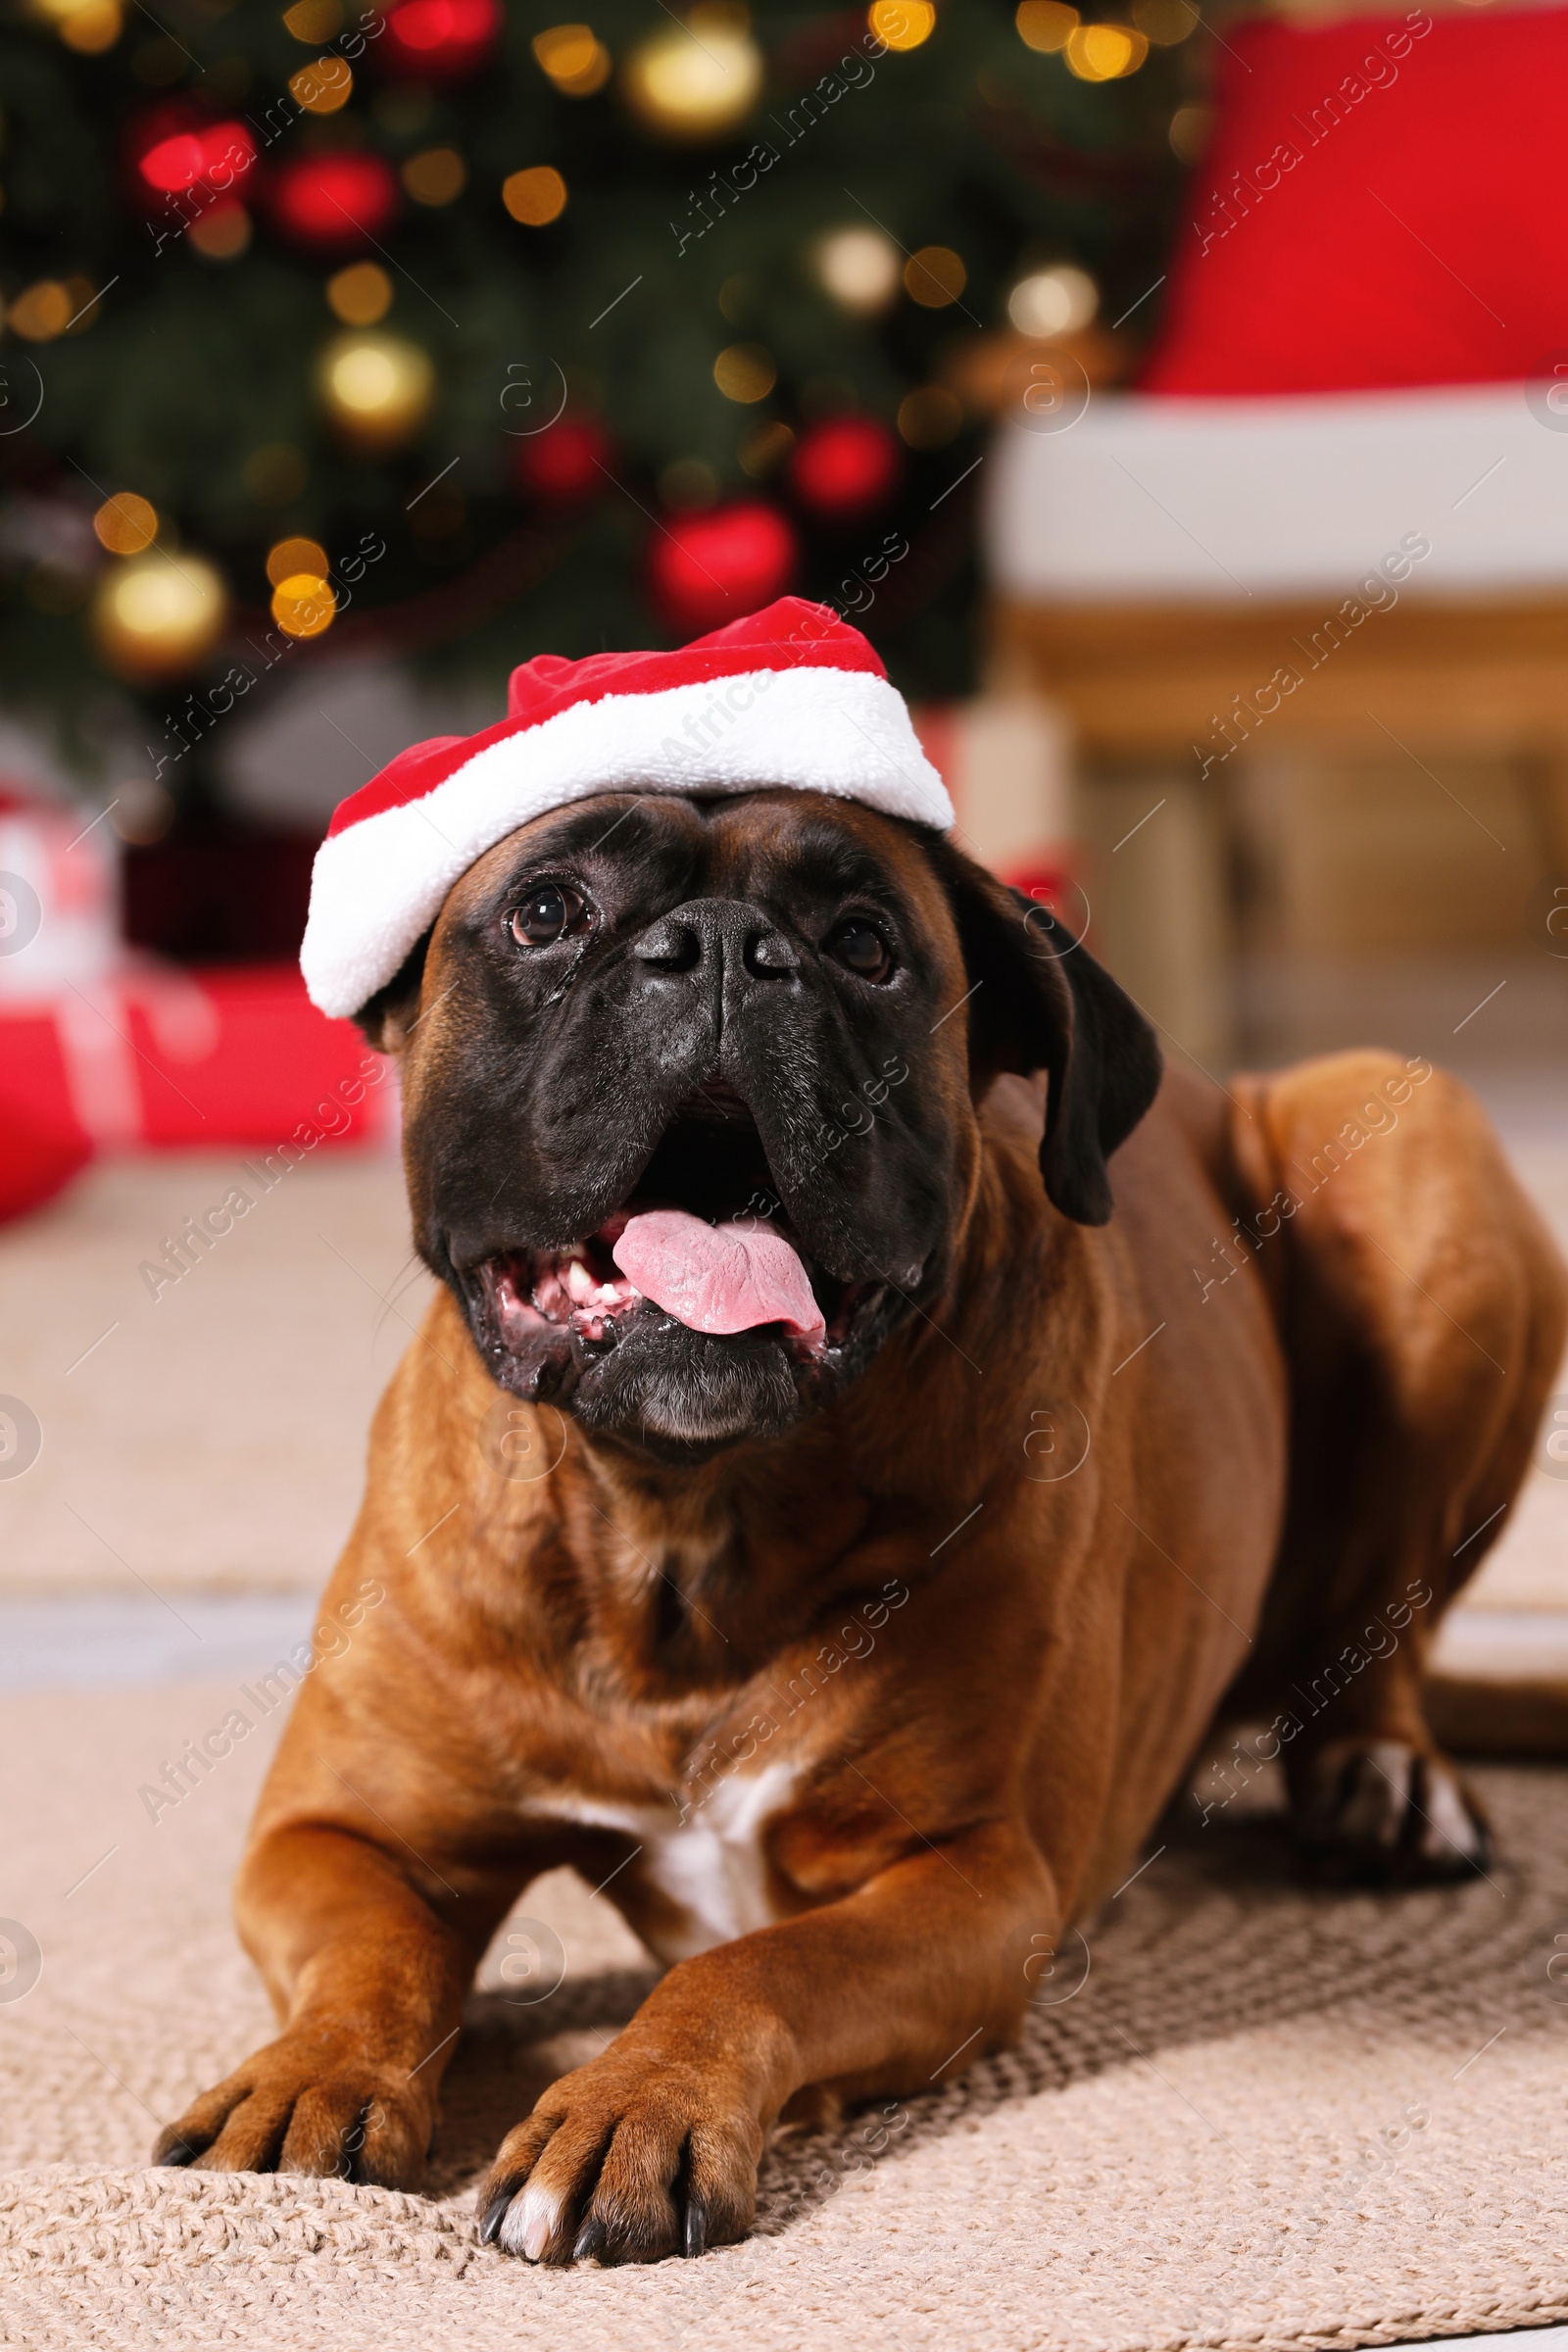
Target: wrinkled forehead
[[769, 846]]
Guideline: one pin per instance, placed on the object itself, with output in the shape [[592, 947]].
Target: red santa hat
[[790, 696]]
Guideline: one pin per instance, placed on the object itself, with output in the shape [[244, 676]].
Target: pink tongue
[[719, 1278]]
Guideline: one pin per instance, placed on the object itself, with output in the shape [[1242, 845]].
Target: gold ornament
[[322, 88], [746, 371], [536, 196], [1105, 52], [360, 295], [901, 23], [576, 61], [1045, 24], [126, 524], [156, 615], [222, 232], [313, 20], [89, 26], [934, 276], [41, 312], [697, 80], [436, 176], [293, 555], [859, 267], [304, 603], [376, 389]]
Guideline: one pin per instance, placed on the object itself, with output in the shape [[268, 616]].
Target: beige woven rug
[[1253, 2115]]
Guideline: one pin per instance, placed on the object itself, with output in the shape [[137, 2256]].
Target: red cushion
[[1416, 237]]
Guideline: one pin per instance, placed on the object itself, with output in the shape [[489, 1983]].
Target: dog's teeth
[[580, 1283]]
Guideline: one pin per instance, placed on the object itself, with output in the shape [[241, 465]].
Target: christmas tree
[[454, 333]]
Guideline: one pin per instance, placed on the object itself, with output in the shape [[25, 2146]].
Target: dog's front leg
[[369, 1982], [652, 2147]]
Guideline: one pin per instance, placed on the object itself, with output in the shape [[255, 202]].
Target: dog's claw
[[494, 2214], [694, 2236], [172, 2148], [1380, 1813], [592, 2238]]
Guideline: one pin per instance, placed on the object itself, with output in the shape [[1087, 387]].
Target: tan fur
[[1038, 1655]]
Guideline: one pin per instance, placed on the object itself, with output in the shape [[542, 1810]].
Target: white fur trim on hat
[[379, 884]]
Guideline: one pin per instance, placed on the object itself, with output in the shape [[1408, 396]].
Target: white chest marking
[[711, 1866]]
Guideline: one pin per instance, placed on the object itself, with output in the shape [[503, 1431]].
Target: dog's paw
[[1377, 1811], [629, 2160], [309, 2102]]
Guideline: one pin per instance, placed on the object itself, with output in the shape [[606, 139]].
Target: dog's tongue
[[719, 1278]]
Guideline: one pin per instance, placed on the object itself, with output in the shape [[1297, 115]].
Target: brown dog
[[855, 1651]]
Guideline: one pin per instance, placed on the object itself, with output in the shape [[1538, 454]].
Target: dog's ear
[[1041, 1002], [385, 1020]]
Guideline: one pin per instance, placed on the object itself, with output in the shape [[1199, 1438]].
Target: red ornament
[[177, 151], [440, 41], [704, 570], [563, 463], [334, 200], [843, 468]]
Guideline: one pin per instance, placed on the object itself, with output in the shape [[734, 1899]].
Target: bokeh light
[[694, 81], [745, 371], [436, 175], [1058, 301], [125, 523], [291, 556], [322, 88], [860, 268], [313, 21], [1105, 52], [1165, 21], [360, 295], [929, 417], [1046, 24], [535, 197], [901, 23], [934, 276], [303, 605], [222, 232], [576, 61]]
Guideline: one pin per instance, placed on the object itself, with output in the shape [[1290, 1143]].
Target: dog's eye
[[861, 949], [546, 915]]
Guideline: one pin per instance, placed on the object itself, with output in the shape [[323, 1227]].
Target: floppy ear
[[1041, 1002], [385, 1020]]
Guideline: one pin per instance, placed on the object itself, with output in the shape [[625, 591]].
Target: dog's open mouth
[[704, 1239]]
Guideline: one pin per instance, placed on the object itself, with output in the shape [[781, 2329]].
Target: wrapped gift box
[[149, 1057]]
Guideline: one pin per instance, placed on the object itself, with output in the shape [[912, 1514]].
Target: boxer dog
[[871, 1424]]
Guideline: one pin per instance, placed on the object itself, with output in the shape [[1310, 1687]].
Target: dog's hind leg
[[1423, 1307]]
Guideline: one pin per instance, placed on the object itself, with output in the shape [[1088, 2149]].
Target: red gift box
[[147, 1055]]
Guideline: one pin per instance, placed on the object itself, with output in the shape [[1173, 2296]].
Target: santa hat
[[790, 696]]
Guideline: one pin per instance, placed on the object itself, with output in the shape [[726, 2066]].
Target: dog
[[873, 1421]]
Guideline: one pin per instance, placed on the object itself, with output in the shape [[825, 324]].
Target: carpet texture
[[210, 1435], [1246, 2113]]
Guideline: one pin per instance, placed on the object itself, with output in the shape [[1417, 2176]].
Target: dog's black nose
[[719, 938]]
